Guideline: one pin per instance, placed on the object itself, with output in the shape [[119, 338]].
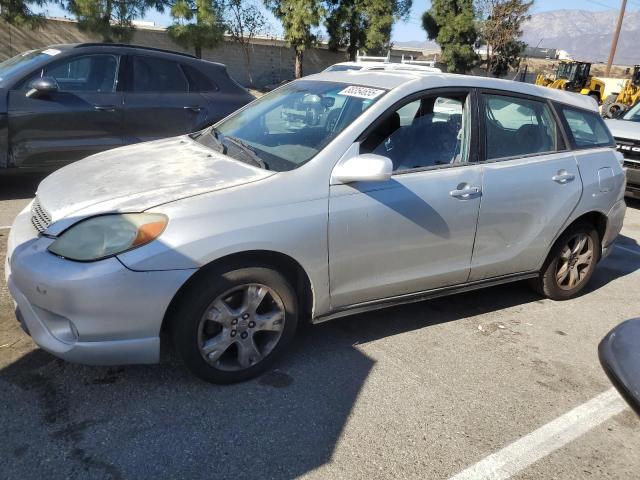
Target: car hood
[[138, 177], [624, 129]]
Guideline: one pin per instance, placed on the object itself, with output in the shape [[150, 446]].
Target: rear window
[[199, 81], [587, 128]]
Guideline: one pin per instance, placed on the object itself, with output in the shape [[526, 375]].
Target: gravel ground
[[420, 391]]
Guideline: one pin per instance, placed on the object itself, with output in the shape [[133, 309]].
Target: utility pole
[[616, 36]]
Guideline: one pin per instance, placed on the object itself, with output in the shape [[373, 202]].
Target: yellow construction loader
[[617, 103], [574, 77]]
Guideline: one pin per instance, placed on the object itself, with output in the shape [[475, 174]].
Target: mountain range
[[585, 35]]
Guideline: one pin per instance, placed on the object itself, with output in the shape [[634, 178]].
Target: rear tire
[[232, 324], [570, 263]]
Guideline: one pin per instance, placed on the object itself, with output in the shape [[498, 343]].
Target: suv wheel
[[231, 326], [570, 264]]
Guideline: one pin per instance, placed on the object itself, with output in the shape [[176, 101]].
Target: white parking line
[[626, 249], [548, 438]]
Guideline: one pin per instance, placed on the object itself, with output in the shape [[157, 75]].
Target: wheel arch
[[280, 262], [594, 217]]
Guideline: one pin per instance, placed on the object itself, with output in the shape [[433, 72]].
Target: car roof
[[66, 47], [420, 80]]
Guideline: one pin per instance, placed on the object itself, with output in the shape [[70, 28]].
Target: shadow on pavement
[[62, 420], [618, 264], [632, 203], [65, 420]]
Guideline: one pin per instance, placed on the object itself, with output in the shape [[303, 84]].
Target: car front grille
[[629, 148], [40, 219]]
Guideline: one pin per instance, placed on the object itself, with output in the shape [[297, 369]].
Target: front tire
[[231, 325], [570, 263]]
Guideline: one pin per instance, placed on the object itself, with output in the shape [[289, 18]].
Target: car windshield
[[633, 114], [22, 63], [286, 128]]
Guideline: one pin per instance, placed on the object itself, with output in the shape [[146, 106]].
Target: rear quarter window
[[198, 80], [586, 128]]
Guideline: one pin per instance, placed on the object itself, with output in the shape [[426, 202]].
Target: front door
[[531, 184], [414, 232], [158, 102], [82, 118]]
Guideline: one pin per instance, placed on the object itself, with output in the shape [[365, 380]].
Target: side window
[[198, 80], [587, 128], [427, 132], [89, 73], [156, 75], [516, 127]]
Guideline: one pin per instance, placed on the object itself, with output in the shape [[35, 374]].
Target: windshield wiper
[[247, 150], [209, 139]]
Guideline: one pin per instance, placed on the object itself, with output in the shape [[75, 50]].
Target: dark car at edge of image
[[65, 102]]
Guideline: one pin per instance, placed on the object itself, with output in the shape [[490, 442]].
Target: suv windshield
[[14, 66], [286, 128], [633, 114]]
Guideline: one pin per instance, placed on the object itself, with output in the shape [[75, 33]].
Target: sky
[[412, 29]]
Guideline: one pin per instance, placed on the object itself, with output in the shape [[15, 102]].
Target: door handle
[[193, 109], [105, 108], [465, 193], [563, 177]]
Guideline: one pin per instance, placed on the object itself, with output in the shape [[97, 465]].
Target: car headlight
[[106, 235]]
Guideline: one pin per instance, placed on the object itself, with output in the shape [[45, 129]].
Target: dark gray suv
[[65, 102]]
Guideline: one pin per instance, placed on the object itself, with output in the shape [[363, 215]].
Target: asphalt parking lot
[[423, 391]]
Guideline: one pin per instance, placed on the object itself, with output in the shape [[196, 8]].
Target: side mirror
[[42, 86], [363, 168], [619, 353]]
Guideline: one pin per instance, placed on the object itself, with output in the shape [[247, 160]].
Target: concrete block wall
[[272, 59]]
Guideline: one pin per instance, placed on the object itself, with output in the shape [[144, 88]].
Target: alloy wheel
[[575, 261], [241, 327]]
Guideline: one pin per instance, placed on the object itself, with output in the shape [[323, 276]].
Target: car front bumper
[[632, 170], [97, 313]]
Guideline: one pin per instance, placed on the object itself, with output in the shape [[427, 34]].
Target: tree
[[19, 13], [243, 22], [111, 19], [298, 18], [197, 24], [451, 23], [363, 24], [500, 28]]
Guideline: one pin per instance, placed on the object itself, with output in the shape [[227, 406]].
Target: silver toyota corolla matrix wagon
[[334, 194]]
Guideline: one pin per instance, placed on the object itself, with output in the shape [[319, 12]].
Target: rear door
[[158, 101], [82, 118], [531, 184]]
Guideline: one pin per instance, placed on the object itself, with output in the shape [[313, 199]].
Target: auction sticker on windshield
[[361, 92]]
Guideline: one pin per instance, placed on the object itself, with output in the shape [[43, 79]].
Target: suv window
[[151, 74], [517, 126], [587, 128], [199, 81], [88, 73], [427, 132]]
